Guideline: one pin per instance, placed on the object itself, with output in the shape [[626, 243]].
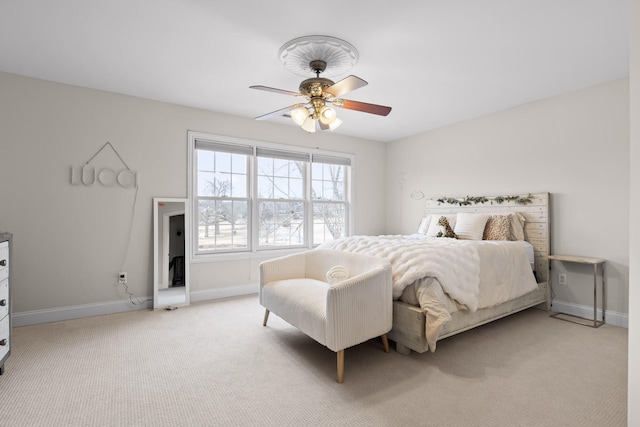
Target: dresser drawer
[[4, 298], [4, 255], [5, 342], [4, 261]]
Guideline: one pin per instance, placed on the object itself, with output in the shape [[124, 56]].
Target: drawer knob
[[3, 341], [3, 262], [3, 302]]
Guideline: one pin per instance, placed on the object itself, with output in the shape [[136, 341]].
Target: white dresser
[[5, 302]]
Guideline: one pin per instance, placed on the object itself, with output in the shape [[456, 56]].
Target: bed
[[434, 297]]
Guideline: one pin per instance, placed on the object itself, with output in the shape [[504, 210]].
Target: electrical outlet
[[562, 279], [122, 278]]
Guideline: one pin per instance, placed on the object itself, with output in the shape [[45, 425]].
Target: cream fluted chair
[[339, 299]]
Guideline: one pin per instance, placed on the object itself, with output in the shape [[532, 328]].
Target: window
[[250, 196], [222, 194], [281, 198], [329, 197]]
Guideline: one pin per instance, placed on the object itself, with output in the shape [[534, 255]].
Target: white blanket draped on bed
[[455, 264], [468, 274]]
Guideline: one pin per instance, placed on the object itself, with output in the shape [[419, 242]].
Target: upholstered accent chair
[[339, 299]]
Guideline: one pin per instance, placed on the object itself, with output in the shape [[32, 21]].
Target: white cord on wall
[[132, 297]]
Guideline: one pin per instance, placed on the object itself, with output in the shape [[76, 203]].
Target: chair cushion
[[300, 302]]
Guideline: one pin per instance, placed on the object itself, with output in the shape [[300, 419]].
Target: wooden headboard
[[534, 207]]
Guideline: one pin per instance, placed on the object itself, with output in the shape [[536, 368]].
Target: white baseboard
[[234, 291], [26, 318], [611, 317]]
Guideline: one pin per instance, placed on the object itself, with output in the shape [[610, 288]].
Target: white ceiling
[[436, 62]]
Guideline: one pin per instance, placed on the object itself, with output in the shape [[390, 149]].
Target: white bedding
[[448, 274]]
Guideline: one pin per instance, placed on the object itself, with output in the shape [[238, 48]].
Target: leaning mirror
[[170, 243]]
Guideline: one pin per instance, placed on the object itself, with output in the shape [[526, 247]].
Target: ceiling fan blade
[[280, 112], [346, 85], [380, 110], [272, 89]]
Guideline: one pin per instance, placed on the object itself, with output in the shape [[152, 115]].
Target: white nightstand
[[591, 261]]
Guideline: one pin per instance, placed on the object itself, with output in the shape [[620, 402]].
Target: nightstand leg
[[604, 298], [595, 293]]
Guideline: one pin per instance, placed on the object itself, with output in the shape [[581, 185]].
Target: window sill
[[235, 256]]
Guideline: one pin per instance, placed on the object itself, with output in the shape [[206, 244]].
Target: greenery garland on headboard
[[521, 200]]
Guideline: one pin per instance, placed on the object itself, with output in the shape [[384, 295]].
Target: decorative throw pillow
[[445, 228], [517, 224], [498, 228], [470, 226]]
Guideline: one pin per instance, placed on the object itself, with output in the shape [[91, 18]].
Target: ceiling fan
[[319, 94]]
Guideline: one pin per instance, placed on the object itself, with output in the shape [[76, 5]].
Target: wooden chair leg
[[340, 366], [385, 343], [266, 317]]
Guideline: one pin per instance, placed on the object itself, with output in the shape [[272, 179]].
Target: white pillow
[[434, 228], [424, 225], [470, 226]]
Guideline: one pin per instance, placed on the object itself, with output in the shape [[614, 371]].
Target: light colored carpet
[[214, 364]]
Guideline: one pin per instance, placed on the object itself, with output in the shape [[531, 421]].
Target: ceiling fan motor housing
[[315, 87]]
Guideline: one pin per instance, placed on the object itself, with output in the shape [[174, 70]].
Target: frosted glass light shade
[[327, 115], [334, 124], [309, 125], [299, 115]]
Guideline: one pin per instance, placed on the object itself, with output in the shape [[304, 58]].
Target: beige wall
[[70, 241], [574, 146]]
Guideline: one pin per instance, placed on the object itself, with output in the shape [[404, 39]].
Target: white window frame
[[253, 247], [263, 152], [323, 159]]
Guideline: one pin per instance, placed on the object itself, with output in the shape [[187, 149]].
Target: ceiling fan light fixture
[[299, 115], [309, 124], [334, 124], [327, 115]]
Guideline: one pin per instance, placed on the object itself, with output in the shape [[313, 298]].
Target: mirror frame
[[157, 276]]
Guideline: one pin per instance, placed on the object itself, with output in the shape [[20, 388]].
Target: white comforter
[[468, 274]]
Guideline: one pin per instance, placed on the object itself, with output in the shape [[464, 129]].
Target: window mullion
[[253, 196], [309, 206]]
